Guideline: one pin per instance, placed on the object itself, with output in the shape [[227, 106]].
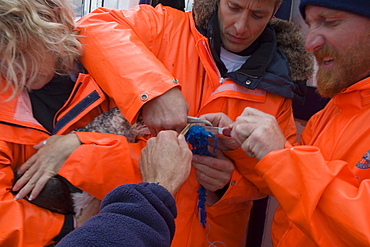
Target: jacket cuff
[[241, 160], [68, 226], [97, 138]]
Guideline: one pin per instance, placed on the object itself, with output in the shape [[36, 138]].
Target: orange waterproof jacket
[[90, 167], [323, 185], [138, 54]]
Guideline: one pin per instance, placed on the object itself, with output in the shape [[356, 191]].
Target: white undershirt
[[231, 60]]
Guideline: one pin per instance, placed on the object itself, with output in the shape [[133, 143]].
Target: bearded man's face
[[340, 41], [350, 66]]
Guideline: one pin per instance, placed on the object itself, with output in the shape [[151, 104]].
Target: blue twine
[[202, 206], [198, 137]]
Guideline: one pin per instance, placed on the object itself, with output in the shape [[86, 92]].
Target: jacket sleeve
[[22, 223], [323, 198], [119, 52], [240, 192], [102, 162], [131, 215]]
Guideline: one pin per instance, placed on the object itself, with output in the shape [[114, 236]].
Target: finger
[[143, 167], [26, 177], [218, 119], [204, 160], [247, 149], [242, 120], [212, 117], [207, 186], [31, 183], [215, 176], [242, 131], [151, 141], [181, 139], [207, 182], [249, 111], [171, 133], [166, 136], [25, 190], [19, 184], [256, 117], [40, 184], [220, 167], [220, 155], [179, 128], [182, 142], [22, 181], [207, 169], [153, 131], [228, 142], [199, 166], [26, 165]]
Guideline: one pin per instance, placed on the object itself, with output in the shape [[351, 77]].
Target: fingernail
[[30, 198], [227, 132], [16, 198]]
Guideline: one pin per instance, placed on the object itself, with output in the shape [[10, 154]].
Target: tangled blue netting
[[199, 138]]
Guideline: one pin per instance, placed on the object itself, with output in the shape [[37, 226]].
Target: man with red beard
[[323, 182]]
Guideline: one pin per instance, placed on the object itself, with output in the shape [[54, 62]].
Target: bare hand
[[45, 164], [213, 173], [225, 143], [166, 159], [166, 112], [258, 133], [89, 211]]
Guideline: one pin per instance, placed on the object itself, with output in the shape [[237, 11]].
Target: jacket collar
[[355, 96], [363, 84], [18, 111]]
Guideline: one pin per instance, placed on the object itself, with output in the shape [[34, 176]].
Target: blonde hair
[[29, 29]]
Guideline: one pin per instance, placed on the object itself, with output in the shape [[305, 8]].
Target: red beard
[[349, 67]]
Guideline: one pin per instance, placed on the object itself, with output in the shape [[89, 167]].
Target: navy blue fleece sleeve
[[131, 215]]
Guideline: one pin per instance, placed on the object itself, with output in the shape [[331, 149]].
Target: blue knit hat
[[359, 7]]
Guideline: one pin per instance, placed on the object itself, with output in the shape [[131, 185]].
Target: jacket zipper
[[78, 85], [210, 56], [242, 73]]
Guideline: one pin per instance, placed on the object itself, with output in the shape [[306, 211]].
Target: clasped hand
[[44, 164], [166, 112], [166, 159], [257, 133]]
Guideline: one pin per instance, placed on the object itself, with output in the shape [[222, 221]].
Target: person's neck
[[247, 51]]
